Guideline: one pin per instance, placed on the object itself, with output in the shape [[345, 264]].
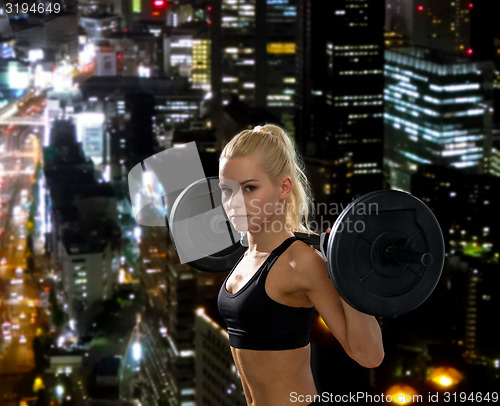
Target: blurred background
[[397, 94]]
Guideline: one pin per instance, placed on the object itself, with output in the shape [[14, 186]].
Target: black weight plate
[[201, 233], [356, 268]]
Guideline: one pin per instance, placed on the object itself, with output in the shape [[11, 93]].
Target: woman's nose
[[236, 201]]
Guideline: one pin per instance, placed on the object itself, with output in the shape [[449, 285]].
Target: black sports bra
[[257, 322]]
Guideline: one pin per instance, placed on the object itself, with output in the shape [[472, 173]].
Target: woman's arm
[[358, 333], [364, 336]]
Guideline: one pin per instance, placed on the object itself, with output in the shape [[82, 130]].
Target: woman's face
[[249, 194]]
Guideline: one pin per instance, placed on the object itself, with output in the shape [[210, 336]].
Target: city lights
[[323, 324], [38, 384], [445, 377], [59, 390], [402, 394], [160, 4], [136, 351]]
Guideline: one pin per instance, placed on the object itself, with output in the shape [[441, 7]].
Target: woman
[[268, 298]]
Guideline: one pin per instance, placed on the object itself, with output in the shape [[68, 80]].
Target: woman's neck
[[262, 244]]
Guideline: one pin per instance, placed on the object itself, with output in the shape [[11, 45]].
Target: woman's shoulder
[[306, 263], [303, 251]]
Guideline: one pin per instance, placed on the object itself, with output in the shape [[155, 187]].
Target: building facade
[[438, 110], [340, 86]]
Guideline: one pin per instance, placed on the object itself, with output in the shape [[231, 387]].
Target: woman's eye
[[226, 190]]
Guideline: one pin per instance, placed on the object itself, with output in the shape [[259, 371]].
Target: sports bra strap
[[278, 251]]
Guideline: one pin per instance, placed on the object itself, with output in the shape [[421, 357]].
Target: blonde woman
[[268, 298]]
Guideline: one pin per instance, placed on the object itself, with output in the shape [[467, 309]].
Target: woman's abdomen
[[275, 377]]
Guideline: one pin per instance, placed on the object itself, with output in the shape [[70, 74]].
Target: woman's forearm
[[364, 336]]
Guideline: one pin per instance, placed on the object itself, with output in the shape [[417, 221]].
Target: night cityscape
[[96, 307]]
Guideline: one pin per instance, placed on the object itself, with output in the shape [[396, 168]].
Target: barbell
[[385, 252]]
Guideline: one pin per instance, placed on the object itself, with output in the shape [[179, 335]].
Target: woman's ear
[[286, 187]]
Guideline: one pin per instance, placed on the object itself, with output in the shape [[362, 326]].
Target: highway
[[21, 313]]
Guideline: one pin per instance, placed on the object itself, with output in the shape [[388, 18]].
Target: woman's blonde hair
[[278, 157]]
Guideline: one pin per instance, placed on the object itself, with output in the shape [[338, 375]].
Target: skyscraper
[[441, 25], [217, 379], [340, 85], [253, 54], [438, 110]]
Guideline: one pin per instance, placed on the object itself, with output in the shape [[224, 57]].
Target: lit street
[[21, 315]]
